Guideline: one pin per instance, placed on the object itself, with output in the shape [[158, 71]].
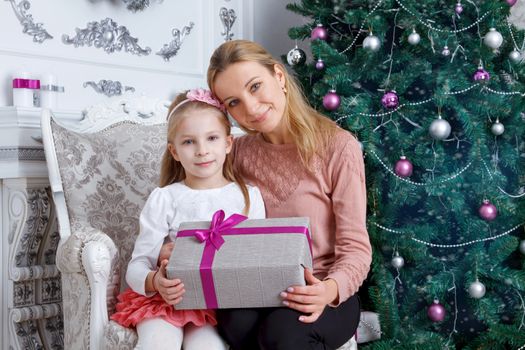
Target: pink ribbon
[[26, 84], [212, 237]]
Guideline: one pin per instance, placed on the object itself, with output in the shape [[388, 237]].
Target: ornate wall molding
[[26, 20], [108, 35], [171, 49], [21, 153], [136, 5], [109, 87], [228, 18]]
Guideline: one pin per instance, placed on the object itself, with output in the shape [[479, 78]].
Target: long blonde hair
[[310, 130], [171, 170]]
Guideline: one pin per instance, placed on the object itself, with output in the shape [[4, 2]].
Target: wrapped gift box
[[255, 261]]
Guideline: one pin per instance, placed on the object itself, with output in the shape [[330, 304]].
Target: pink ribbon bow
[[213, 235]]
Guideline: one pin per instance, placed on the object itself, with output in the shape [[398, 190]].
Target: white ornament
[[497, 128], [414, 38], [493, 39], [522, 247], [371, 43], [296, 56], [476, 290], [446, 51], [515, 56], [398, 261], [439, 129]]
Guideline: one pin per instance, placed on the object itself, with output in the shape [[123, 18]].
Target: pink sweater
[[333, 197]]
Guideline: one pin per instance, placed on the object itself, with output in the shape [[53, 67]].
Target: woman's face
[[253, 95]]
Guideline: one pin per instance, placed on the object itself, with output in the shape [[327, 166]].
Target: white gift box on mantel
[[239, 263]]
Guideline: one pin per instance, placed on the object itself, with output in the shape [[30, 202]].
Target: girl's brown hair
[[310, 130], [171, 170]]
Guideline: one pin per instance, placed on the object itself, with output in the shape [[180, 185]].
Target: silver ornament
[[476, 290], [522, 247], [446, 51], [493, 39], [108, 36], [439, 129], [296, 56], [515, 56], [398, 261], [371, 43], [497, 128], [414, 38]]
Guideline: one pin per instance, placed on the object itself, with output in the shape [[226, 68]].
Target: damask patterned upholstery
[[107, 177]]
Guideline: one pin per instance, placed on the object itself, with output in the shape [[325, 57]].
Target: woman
[[304, 165]]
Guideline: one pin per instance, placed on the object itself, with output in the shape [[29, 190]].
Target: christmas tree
[[434, 91]]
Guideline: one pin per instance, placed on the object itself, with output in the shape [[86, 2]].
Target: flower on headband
[[205, 96]]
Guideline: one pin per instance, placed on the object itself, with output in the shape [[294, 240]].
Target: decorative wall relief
[[26, 20], [108, 35], [136, 5], [171, 49], [109, 87], [228, 18]]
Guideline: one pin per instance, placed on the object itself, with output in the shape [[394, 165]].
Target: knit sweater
[[332, 195]]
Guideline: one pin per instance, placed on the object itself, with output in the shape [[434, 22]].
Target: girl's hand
[[312, 298], [170, 290], [165, 252]]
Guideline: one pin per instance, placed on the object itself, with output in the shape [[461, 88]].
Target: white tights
[[157, 334]]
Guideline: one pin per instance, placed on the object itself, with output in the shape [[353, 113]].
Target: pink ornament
[[403, 167], [319, 65], [331, 100], [511, 2], [319, 32], [458, 8], [481, 75], [488, 211], [436, 312], [390, 100]]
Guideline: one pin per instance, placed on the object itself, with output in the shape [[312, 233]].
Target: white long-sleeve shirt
[[167, 207]]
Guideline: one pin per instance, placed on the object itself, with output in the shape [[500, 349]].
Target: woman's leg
[[239, 327], [157, 334], [281, 330], [202, 338]]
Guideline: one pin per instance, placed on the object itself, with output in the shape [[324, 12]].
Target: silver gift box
[[249, 270]]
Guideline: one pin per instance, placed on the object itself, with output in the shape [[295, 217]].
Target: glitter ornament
[[515, 56], [476, 290], [390, 100], [319, 65], [398, 261], [481, 75], [458, 8], [497, 128], [522, 247], [445, 52], [371, 43], [488, 211], [403, 167], [319, 32], [493, 39], [439, 129], [414, 38], [296, 56], [436, 312], [331, 101], [511, 2]]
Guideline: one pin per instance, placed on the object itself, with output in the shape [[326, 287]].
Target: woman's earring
[[284, 89]]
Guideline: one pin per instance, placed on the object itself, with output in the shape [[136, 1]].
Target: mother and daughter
[[296, 160]]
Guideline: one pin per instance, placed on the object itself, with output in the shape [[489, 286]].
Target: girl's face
[[201, 145], [253, 95]]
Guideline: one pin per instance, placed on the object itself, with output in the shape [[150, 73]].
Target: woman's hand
[[165, 252], [312, 298], [170, 290]]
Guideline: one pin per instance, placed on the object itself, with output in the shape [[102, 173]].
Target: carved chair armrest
[[87, 260]]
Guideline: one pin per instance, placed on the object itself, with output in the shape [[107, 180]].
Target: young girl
[[196, 180]]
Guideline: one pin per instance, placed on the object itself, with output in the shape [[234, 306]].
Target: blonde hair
[[310, 130], [171, 170]]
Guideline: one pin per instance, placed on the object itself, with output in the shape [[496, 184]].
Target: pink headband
[[200, 95]]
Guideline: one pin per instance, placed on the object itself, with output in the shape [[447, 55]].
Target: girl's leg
[[239, 327], [202, 338], [157, 334], [281, 330]]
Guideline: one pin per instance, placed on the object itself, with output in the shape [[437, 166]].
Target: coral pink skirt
[[133, 308]]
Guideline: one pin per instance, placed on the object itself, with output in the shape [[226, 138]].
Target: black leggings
[[280, 329]]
